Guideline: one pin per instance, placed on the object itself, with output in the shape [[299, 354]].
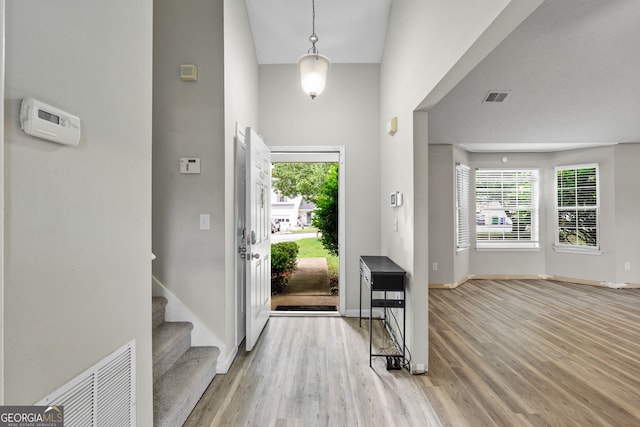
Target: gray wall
[[627, 209], [415, 64], [78, 219], [442, 227], [197, 119], [188, 121], [346, 114], [619, 204], [589, 267], [453, 265]]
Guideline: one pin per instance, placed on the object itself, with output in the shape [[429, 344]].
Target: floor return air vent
[[103, 395]]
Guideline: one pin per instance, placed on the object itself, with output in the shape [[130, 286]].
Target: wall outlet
[[434, 267], [627, 266]]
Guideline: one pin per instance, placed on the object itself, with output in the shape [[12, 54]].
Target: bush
[[283, 262], [326, 213]]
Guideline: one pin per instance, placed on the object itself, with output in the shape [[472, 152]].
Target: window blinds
[[507, 208], [462, 207], [577, 206]]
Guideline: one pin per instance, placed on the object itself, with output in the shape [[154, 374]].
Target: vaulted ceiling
[[350, 31], [571, 70]]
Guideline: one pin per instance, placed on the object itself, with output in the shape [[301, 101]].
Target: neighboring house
[[288, 213]]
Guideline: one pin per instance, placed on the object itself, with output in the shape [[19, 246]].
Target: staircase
[[181, 373]]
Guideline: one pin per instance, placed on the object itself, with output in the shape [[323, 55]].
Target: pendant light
[[313, 66]]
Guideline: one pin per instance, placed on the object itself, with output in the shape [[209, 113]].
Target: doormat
[[306, 308]]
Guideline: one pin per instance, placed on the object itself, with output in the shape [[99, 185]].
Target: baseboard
[[177, 311], [610, 285], [365, 313], [448, 285], [222, 367], [534, 277]]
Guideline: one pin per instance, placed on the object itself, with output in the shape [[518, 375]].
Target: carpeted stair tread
[[158, 305], [170, 341], [176, 393]]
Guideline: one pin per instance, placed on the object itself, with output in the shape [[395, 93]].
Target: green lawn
[[312, 248], [304, 230]]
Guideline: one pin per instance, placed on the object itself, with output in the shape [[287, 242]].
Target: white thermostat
[[189, 165], [44, 121]]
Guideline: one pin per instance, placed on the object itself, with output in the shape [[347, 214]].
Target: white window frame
[[515, 245], [463, 201], [573, 248]]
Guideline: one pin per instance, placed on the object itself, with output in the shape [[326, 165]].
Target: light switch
[[205, 222], [189, 165]]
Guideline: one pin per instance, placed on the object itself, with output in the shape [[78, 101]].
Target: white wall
[[345, 114], [425, 40], [78, 219]]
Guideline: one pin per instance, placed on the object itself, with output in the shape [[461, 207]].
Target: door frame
[[305, 152]]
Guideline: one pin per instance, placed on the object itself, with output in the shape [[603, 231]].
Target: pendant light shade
[[313, 73], [313, 66]]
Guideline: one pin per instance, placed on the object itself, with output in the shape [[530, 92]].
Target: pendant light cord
[[313, 38]]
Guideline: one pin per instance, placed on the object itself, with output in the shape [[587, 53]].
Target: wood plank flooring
[[502, 353]]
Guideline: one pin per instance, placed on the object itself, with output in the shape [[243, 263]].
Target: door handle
[[253, 256]]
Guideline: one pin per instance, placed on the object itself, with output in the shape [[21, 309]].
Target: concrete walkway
[[308, 285]]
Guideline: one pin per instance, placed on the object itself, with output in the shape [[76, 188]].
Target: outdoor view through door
[[304, 237]]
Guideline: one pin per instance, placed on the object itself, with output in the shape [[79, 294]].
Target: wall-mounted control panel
[[47, 122], [189, 165]]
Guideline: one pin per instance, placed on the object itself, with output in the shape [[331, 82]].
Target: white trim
[[177, 311], [575, 281], [524, 246], [319, 149], [581, 250], [563, 247]]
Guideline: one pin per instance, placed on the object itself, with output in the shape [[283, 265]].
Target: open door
[[258, 236]]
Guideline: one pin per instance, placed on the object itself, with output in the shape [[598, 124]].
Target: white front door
[[241, 186], [257, 236]]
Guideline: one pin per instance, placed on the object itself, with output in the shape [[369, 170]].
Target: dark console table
[[382, 276]]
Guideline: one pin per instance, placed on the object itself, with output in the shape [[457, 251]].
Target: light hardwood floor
[[505, 353]]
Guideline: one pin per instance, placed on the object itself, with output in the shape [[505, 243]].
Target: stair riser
[[158, 311], [180, 389], [170, 352]]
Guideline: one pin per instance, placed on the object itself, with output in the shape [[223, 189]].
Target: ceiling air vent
[[496, 96]]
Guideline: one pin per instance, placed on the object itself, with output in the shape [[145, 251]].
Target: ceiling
[[572, 70], [350, 31]]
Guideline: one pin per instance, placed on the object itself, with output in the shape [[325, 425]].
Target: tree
[[326, 213], [300, 179]]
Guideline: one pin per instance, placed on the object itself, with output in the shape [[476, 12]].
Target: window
[[507, 208], [462, 206], [577, 204]]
